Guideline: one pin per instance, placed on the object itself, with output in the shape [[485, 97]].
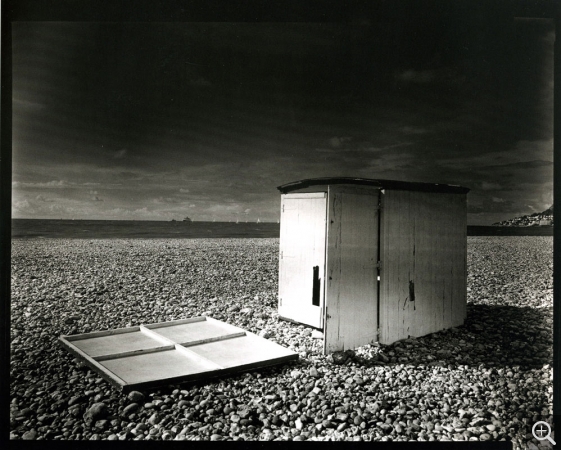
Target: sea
[[131, 229]]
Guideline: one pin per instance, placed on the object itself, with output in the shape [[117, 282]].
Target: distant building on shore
[[543, 219]]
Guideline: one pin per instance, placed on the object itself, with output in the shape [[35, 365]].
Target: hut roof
[[382, 184]]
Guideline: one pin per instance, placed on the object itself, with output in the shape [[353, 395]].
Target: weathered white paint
[[419, 236], [423, 251], [302, 246], [351, 290]]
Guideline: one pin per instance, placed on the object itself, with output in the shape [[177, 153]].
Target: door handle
[[315, 287]]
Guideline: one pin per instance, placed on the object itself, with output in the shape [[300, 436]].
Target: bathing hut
[[368, 260]]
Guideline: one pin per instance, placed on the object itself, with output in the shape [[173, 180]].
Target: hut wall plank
[[459, 294], [422, 270], [396, 263], [351, 289]]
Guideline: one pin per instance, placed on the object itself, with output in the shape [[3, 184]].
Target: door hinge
[[280, 301], [281, 255]]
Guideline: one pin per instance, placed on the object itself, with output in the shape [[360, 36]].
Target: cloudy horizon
[[158, 121]]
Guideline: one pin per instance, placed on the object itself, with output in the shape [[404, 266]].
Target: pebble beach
[[488, 380]]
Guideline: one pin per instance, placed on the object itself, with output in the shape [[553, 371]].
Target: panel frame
[[166, 344]]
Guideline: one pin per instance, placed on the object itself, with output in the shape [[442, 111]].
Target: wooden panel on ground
[[244, 351], [200, 330], [173, 352], [302, 257], [351, 290], [115, 343], [152, 367]]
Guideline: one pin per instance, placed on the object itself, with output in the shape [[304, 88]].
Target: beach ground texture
[[488, 380]]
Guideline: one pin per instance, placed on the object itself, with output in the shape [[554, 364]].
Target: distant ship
[[187, 219], [258, 221]]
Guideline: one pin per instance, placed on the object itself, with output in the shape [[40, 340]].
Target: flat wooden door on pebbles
[[339, 292]]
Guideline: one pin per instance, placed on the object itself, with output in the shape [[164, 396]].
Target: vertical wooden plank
[[421, 269], [408, 284], [437, 246], [385, 272], [395, 257], [401, 246], [458, 303], [351, 292], [448, 259], [332, 266], [394, 260], [390, 264]]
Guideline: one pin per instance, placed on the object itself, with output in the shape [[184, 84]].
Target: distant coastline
[[139, 229], [131, 229]]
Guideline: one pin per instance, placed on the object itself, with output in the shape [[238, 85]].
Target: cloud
[[120, 153], [416, 76], [165, 200], [184, 191], [27, 104], [95, 198], [61, 209], [521, 152], [93, 192], [247, 211], [488, 186], [493, 205], [361, 149], [41, 198], [200, 82], [21, 206], [336, 142], [49, 184], [413, 130]]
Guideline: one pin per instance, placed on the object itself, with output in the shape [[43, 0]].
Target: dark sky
[[154, 121]]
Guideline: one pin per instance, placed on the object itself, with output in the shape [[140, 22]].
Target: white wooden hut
[[372, 260]]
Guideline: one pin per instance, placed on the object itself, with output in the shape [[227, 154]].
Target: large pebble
[[136, 396], [95, 412]]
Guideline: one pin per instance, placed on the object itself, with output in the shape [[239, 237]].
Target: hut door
[[302, 257]]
